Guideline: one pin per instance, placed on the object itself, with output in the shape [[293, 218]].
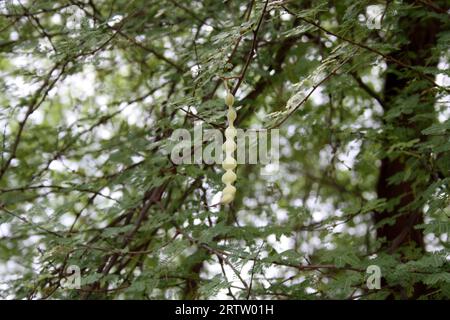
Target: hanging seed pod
[[229, 177], [231, 115], [229, 146], [229, 164], [228, 194], [230, 132], [229, 99]]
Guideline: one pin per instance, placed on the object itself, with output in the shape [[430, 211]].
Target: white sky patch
[[312, 54], [74, 20], [64, 164], [375, 77], [374, 14], [115, 20], [318, 216], [253, 220], [214, 200], [14, 36], [285, 243], [318, 97], [19, 88], [14, 163], [194, 70], [80, 85], [192, 109], [101, 100], [282, 215], [137, 159], [286, 16], [348, 158], [56, 19], [443, 104], [124, 70], [67, 220], [206, 29], [103, 132], [56, 165], [320, 210], [116, 195], [5, 230], [44, 45], [70, 117], [37, 117], [270, 171], [325, 156], [134, 115], [90, 164]]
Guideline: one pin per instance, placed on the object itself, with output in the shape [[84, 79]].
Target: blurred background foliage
[[93, 89]]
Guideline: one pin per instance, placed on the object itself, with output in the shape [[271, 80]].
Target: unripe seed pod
[[229, 189], [229, 99], [227, 198], [229, 146], [231, 115], [229, 177], [229, 163]]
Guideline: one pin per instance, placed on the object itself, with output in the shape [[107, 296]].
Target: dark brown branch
[[367, 89], [252, 50]]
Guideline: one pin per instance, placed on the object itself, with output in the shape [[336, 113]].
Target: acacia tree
[[93, 90]]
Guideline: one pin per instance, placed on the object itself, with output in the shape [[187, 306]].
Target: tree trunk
[[421, 37]]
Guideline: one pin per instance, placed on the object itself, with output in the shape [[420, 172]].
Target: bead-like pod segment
[[229, 146], [229, 163], [228, 194], [229, 99], [230, 132], [231, 115], [229, 189], [227, 198], [229, 177]]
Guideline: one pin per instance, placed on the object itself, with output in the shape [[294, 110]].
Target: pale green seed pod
[[229, 163], [229, 146], [229, 99], [230, 132], [229, 189], [227, 198], [229, 177], [231, 115]]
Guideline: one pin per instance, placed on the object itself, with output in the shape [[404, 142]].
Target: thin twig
[[332, 73], [252, 50]]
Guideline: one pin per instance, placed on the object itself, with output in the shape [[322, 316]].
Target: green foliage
[[92, 91]]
